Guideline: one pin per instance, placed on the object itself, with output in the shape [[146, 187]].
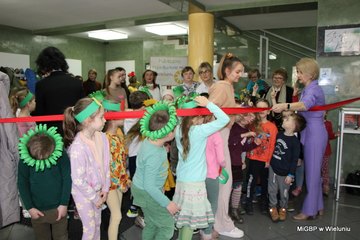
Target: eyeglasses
[[204, 72]]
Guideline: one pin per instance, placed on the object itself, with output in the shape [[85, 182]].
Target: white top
[[134, 146], [203, 88]]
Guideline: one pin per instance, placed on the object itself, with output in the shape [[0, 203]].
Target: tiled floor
[[344, 214]]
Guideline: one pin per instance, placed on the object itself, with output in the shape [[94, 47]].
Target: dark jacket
[[55, 93]]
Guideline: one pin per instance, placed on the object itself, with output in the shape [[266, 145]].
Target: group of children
[[94, 153]]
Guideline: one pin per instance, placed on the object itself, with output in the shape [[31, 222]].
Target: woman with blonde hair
[[313, 137]]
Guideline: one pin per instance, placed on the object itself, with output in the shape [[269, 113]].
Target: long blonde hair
[[16, 98]]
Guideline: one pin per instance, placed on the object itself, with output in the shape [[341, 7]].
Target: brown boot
[[274, 214], [282, 214]]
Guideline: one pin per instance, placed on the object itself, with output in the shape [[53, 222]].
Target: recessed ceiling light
[[167, 29], [107, 35]]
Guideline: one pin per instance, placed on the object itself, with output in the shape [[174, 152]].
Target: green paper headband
[[90, 109], [40, 164], [187, 102], [98, 95], [27, 99], [224, 177], [164, 131], [145, 89], [178, 91], [115, 107]]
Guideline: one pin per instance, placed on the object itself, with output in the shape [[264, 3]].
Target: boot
[[234, 214], [274, 214], [282, 214]]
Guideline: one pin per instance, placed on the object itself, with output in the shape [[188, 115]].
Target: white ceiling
[[45, 15]]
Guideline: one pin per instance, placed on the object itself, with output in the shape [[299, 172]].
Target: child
[[23, 103], [151, 171], [120, 181], [90, 159], [114, 91], [133, 138], [260, 158], [190, 192], [327, 155], [214, 161], [240, 140], [283, 165], [168, 95], [44, 182]]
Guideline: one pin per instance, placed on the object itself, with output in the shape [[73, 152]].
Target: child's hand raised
[[172, 208], [202, 101]]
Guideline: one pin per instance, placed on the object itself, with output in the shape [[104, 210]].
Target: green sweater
[[46, 189]]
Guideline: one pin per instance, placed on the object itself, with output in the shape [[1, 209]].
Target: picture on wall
[[339, 40]]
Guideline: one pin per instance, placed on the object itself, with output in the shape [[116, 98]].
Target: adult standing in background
[[261, 86], [9, 139], [206, 76], [222, 94], [58, 89], [91, 84], [123, 83], [314, 137], [279, 93], [149, 83]]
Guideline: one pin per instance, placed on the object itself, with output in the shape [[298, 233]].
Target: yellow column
[[201, 39]]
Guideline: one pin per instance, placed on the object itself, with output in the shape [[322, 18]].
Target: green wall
[[91, 53], [345, 74]]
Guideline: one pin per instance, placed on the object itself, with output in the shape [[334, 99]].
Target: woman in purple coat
[[313, 137]]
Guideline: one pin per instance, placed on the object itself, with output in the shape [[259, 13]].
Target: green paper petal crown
[[40, 164], [164, 131], [186, 102], [98, 95]]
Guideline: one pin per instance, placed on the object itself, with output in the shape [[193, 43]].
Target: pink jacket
[[214, 155]]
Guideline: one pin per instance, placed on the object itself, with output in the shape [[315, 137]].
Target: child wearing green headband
[[44, 181], [89, 153], [157, 126], [23, 103]]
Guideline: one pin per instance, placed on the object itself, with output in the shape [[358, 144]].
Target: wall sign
[[339, 40]]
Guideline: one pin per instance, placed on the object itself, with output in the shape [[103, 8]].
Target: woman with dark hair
[[58, 89], [123, 82], [149, 83]]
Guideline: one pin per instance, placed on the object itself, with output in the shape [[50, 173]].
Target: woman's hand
[[278, 108]]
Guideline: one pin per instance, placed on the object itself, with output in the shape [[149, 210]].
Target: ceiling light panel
[[167, 29], [107, 35]]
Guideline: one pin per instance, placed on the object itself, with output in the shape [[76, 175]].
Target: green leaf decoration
[[41, 164]]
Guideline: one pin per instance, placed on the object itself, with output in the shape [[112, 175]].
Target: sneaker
[[132, 212], [235, 216], [235, 233], [282, 214], [274, 214], [290, 207], [140, 222], [204, 236]]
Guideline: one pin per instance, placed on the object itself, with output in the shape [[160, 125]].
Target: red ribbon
[[179, 112]]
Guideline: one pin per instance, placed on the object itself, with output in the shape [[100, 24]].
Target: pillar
[[200, 38]]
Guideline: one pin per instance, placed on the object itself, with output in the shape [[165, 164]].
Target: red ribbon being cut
[[180, 113]]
